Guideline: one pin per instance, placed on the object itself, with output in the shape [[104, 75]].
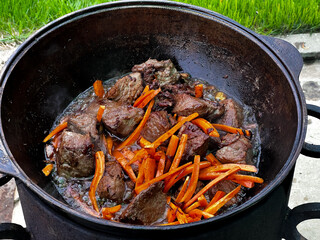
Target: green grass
[[20, 18]]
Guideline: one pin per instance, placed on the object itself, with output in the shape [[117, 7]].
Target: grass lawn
[[20, 18]]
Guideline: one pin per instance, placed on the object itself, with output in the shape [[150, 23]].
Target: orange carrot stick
[[160, 178], [236, 177], [148, 98], [100, 112], [192, 207], [229, 129], [198, 90], [100, 166], [172, 147], [98, 88], [203, 201], [143, 142], [58, 129], [142, 96], [247, 184], [228, 166], [169, 133], [183, 190], [211, 184], [216, 206], [182, 218], [47, 169], [123, 162], [111, 210], [206, 126], [193, 181], [216, 198], [141, 172], [138, 156], [214, 161], [175, 178], [150, 169], [180, 151], [109, 144], [161, 164], [171, 215], [134, 136]]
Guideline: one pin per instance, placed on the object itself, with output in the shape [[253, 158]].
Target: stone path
[[305, 187]]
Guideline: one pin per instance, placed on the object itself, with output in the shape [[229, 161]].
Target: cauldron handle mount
[[309, 210], [309, 149]]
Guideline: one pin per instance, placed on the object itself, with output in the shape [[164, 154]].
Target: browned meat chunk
[[121, 120], [126, 89], [83, 123], [232, 114], [112, 185], [158, 123], [225, 186], [165, 100], [236, 151], [75, 156], [186, 105], [197, 143], [163, 72], [147, 207]]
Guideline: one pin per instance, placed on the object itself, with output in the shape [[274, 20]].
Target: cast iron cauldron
[[65, 57]]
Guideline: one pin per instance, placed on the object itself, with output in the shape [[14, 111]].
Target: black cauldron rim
[[261, 41]]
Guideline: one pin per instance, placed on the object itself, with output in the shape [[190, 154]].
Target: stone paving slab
[[307, 44]]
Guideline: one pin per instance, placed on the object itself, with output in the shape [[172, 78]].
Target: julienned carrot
[[192, 207], [172, 147], [181, 216], [141, 172], [142, 96], [160, 178], [214, 161], [190, 219], [98, 88], [108, 212], [47, 169], [148, 98], [127, 153], [169, 133], [134, 136], [123, 162], [150, 169], [100, 166], [176, 177], [210, 184], [216, 198], [183, 190], [228, 166], [237, 177], [198, 90], [207, 215], [138, 156], [203, 201], [161, 164], [108, 143], [229, 129], [247, 184], [100, 113], [180, 151], [206, 127], [143, 142], [171, 215], [111, 210], [220, 203], [193, 181], [58, 129]]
